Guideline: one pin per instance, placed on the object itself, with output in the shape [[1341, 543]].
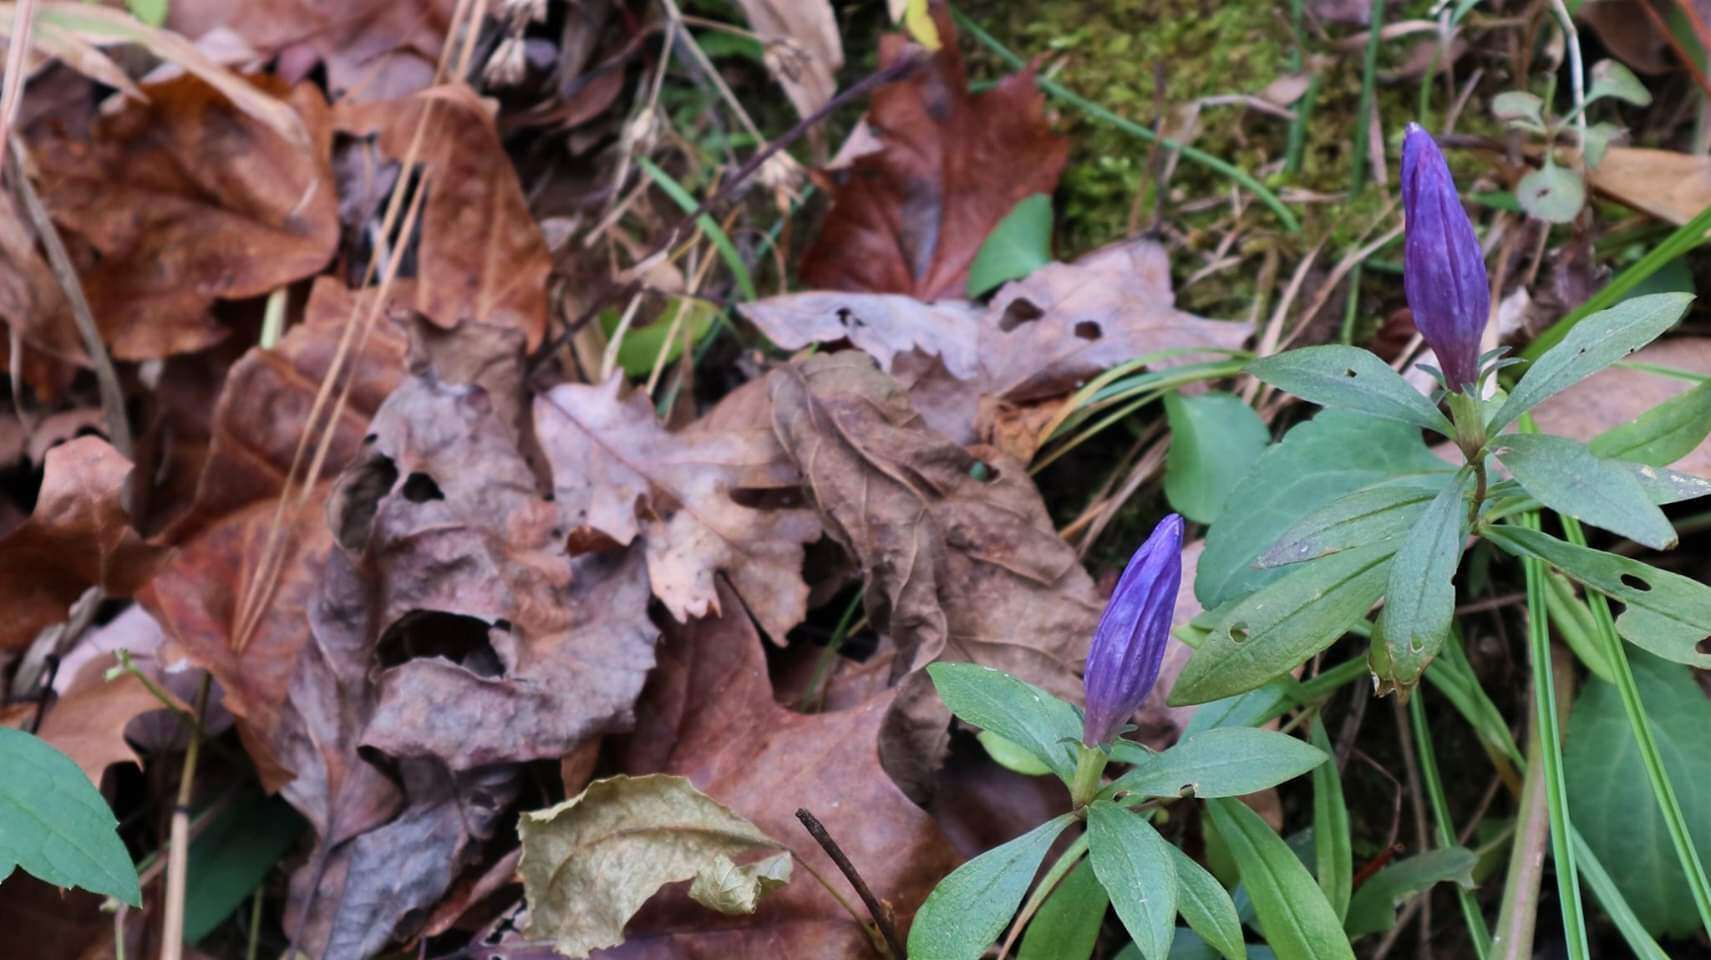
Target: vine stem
[[178, 861]]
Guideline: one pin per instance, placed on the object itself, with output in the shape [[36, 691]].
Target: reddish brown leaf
[[87, 722], [709, 715], [79, 536], [910, 217], [186, 200], [704, 501], [482, 255]]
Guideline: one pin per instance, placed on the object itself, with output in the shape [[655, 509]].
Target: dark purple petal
[[1123, 662], [1443, 271]]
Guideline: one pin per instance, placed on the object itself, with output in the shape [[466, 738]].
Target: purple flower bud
[[1123, 662], [1443, 271]]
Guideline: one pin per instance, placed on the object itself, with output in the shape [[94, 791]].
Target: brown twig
[[178, 859], [880, 913]]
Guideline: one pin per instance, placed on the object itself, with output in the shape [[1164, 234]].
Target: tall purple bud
[[1123, 662], [1443, 272]]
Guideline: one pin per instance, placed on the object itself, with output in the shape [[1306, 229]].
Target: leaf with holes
[[1214, 439], [1665, 613], [1565, 476], [1382, 511], [1595, 343], [1551, 193], [1334, 453], [1349, 378], [1223, 762], [1135, 867], [1277, 627], [1014, 709], [969, 908], [1420, 595]]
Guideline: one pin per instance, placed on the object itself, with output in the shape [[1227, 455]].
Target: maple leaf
[[910, 217]]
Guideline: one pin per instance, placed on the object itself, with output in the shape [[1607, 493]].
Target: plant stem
[[1663, 790], [880, 913], [1089, 767], [178, 862], [1042, 890], [1518, 916], [1446, 835]]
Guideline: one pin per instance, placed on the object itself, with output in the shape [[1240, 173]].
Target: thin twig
[[172, 926], [882, 917], [106, 378], [12, 96]]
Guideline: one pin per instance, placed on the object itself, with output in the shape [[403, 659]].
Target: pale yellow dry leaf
[[802, 47], [590, 862], [1669, 185]]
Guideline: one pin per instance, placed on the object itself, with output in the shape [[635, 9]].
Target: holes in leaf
[[1350, 374], [1239, 632], [358, 498], [1634, 582], [420, 488], [1019, 311], [1088, 330], [1703, 647], [432, 633]]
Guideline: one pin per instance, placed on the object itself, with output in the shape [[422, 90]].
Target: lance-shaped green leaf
[[1333, 859], [1373, 909], [1207, 907], [1565, 476], [1593, 344], [1349, 378], [1662, 435], [1663, 485], [1420, 593], [1135, 867], [1067, 926], [1243, 709], [1016, 710], [1214, 440], [1664, 613], [55, 825], [1224, 762], [969, 908], [1274, 629], [1294, 915], [1379, 512]]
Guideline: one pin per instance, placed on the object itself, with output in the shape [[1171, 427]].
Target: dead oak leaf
[[910, 217], [184, 200], [703, 501], [79, 536], [482, 256], [709, 715]]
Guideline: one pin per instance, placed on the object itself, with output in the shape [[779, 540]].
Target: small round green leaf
[[1020, 244], [1551, 193]]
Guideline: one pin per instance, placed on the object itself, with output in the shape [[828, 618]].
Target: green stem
[[1446, 835], [1545, 705], [1089, 770], [1368, 79], [1663, 790], [1241, 177], [1044, 889]]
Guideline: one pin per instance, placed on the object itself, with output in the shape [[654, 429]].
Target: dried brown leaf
[[1616, 395], [910, 217], [1669, 185], [87, 722], [802, 47]]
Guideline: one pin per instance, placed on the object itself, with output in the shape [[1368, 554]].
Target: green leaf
[[1664, 613], [1349, 378], [1207, 907], [1276, 628], [1662, 435], [969, 908], [1420, 593], [1294, 915], [1384, 510], [1226, 762], [1598, 137], [1011, 756], [640, 349], [1241, 710], [151, 12], [1609, 802], [1518, 105], [1662, 485], [1551, 193], [1593, 344], [1067, 925], [1135, 866], [1610, 78], [1020, 244], [232, 856], [1215, 439], [1316, 462], [1373, 909], [55, 825], [662, 830], [1014, 709], [1565, 476], [1333, 857]]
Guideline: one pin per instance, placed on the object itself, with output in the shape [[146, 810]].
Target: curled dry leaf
[[802, 47], [178, 202], [910, 217], [709, 715], [482, 255], [590, 862], [79, 536], [704, 501]]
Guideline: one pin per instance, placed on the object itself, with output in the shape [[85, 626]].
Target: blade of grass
[[1241, 177], [1663, 790], [1363, 113], [1446, 834], [1545, 703], [715, 234]]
